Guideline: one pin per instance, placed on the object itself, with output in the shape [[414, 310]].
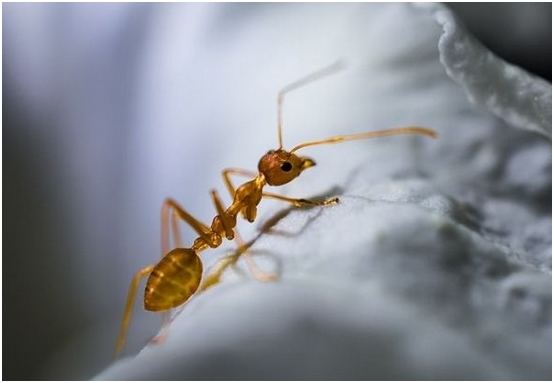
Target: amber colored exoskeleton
[[178, 275]]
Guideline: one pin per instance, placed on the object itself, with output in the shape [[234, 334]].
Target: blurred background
[[109, 108]]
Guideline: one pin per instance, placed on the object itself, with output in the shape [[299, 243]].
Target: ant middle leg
[[242, 249], [177, 213], [204, 231]]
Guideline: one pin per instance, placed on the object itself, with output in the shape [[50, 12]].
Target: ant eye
[[286, 166]]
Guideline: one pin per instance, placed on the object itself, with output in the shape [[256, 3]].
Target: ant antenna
[[361, 136], [339, 65]]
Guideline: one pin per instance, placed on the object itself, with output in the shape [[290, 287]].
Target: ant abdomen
[[174, 279]]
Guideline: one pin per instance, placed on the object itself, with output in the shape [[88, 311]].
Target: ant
[[178, 275]]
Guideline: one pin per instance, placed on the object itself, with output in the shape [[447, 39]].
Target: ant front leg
[[299, 202]]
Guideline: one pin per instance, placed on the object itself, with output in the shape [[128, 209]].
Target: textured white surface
[[512, 94], [437, 262]]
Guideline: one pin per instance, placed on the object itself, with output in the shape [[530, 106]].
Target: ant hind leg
[[230, 260], [129, 307]]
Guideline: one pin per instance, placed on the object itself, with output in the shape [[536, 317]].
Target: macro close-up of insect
[[150, 158], [179, 274]]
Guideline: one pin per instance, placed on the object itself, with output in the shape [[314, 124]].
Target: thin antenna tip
[[430, 132]]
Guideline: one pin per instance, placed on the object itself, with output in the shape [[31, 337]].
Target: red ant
[[177, 276]]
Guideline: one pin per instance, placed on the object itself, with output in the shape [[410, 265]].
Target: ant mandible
[[177, 276]]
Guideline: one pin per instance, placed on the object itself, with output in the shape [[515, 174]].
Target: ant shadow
[[268, 228]]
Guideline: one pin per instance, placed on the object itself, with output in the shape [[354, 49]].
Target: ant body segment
[[178, 275]]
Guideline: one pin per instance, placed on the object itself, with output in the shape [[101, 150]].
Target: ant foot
[[266, 277], [160, 338], [331, 201]]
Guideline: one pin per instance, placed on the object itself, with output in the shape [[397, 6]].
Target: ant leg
[[254, 269], [298, 202], [214, 277], [200, 228], [147, 270], [166, 316], [176, 232], [129, 307], [230, 260], [227, 179], [229, 227], [242, 249], [227, 222], [177, 212]]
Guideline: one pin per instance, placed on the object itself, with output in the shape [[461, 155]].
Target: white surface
[[512, 94]]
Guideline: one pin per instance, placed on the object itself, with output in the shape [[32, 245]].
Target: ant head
[[280, 167]]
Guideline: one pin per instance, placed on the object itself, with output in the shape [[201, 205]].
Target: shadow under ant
[[268, 228]]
